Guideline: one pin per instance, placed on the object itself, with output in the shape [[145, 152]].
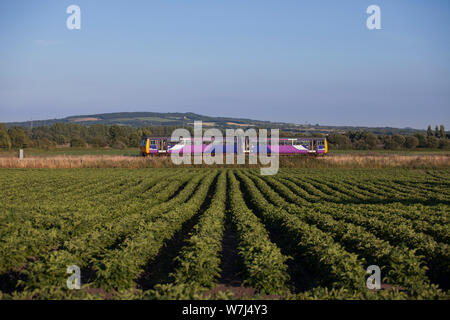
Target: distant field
[[32, 152], [71, 152], [223, 233], [155, 119], [394, 152], [110, 158]]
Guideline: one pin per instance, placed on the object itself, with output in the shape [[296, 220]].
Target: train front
[[145, 147]]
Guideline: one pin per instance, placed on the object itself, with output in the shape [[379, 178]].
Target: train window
[[304, 142], [152, 141]]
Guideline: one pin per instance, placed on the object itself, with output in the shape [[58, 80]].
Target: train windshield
[[320, 142]]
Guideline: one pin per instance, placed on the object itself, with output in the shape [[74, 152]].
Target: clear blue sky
[[280, 60]]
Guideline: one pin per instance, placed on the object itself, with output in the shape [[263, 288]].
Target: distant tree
[[39, 133], [19, 138], [444, 144], [316, 134], [60, 139], [339, 141], [398, 140], [117, 133], [5, 141], [432, 142], [77, 143], [411, 142], [388, 143], [371, 140], [422, 139], [45, 143], [144, 132], [119, 145], [360, 145], [355, 135], [134, 140], [429, 132], [436, 132], [98, 142], [442, 133]]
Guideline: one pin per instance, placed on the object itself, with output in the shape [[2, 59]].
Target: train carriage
[[286, 146]]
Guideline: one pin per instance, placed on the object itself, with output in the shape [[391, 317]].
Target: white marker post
[[21, 154]]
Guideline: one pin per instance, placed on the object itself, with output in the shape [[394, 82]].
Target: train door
[[247, 145], [162, 145], [320, 145], [312, 146]]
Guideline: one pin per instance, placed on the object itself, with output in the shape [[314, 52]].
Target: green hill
[[148, 119]]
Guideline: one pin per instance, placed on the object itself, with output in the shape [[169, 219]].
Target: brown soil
[[230, 259], [84, 119]]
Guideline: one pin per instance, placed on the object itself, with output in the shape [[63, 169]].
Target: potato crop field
[[220, 233]]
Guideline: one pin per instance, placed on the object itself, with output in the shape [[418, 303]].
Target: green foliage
[[339, 141], [19, 137], [199, 261], [45, 143], [113, 223], [77, 143], [411, 142], [5, 141], [442, 133], [122, 134], [432, 142], [264, 264], [371, 140], [422, 139]]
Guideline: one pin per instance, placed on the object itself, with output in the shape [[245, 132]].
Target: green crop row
[[402, 266], [265, 266], [335, 266], [119, 224]]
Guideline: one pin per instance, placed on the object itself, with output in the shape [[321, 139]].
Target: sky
[[312, 61]]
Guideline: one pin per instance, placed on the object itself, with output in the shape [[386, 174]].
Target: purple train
[[286, 146]]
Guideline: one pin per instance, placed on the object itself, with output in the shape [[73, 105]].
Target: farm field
[[132, 152], [66, 151], [198, 233]]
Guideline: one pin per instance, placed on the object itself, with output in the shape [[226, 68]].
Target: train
[[286, 146]]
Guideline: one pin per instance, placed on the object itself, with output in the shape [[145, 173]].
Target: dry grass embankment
[[334, 161]]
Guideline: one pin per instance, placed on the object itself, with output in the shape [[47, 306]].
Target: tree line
[[120, 137], [79, 136], [364, 140]]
